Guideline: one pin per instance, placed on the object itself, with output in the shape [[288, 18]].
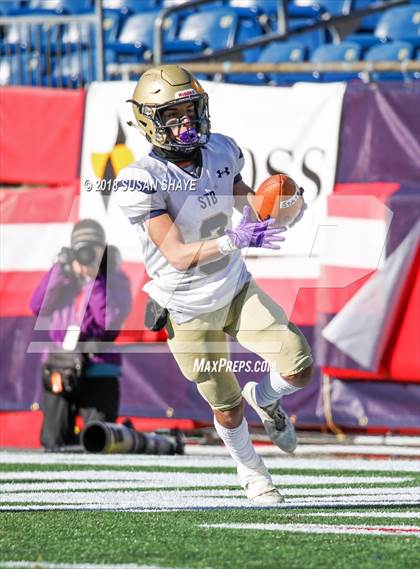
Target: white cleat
[[276, 421], [258, 485]]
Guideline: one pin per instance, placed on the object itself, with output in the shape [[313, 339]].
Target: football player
[[180, 198]]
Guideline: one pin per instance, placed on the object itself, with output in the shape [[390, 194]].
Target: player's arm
[[166, 236]]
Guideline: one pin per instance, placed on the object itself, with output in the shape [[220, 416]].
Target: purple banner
[[151, 384], [380, 133]]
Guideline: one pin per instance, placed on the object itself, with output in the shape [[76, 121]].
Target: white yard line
[[201, 499], [212, 504], [210, 461], [47, 565], [371, 514], [318, 449], [112, 479], [407, 531], [12, 493]]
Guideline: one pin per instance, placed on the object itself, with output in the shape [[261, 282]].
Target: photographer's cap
[[87, 232]]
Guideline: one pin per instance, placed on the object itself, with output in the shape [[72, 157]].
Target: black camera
[[84, 254]]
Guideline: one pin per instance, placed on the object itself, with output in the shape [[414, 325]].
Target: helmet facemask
[[197, 134]]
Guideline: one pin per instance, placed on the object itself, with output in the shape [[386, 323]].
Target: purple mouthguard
[[189, 136]]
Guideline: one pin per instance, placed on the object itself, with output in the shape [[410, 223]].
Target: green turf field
[[64, 511]]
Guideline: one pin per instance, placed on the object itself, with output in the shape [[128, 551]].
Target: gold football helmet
[[165, 86]]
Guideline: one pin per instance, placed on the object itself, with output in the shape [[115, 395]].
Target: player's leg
[[261, 326], [196, 341]]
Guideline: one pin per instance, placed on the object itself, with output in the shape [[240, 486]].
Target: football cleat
[[276, 421], [258, 485]]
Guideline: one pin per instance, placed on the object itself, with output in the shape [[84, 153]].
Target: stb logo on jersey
[[220, 173]]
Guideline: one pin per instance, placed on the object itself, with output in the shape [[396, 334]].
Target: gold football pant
[[257, 323]]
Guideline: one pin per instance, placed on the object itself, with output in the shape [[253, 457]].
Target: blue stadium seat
[[74, 70], [60, 6], [285, 52], [312, 39], [367, 23], [135, 40], [395, 51], [310, 9], [222, 28], [268, 7], [400, 23], [20, 37], [111, 24], [126, 7], [215, 28], [10, 7], [345, 51], [21, 69], [76, 35]]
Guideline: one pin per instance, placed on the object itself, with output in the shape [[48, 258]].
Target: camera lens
[[85, 255]]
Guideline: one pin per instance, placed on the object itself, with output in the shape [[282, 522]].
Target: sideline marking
[[372, 514], [211, 461], [47, 565], [406, 531], [106, 480]]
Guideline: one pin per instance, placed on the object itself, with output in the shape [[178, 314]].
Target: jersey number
[[211, 228]]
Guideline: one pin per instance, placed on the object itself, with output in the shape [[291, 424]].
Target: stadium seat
[[111, 25], [21, 69], [135, 41], [60, 6], [285, 52], [74, 70], [10, 7], [268, 7], [396, 51], [401, 23], [348, 52], [21, 37], [367, 24], [222, 28], [310, 9], [311, 39], [126, 7], [79, 34]]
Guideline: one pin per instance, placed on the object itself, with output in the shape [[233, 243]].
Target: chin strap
[[172, 156]]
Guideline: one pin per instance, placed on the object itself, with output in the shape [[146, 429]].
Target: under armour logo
[[221, 172]]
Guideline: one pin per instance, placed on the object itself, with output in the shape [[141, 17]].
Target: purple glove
[[299, 215], [255, 233]]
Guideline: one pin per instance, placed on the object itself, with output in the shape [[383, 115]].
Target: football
[[280, 197]]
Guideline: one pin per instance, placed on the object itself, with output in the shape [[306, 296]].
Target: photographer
[[86, 298]]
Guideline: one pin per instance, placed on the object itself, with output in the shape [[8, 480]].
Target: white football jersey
[[202, 209]]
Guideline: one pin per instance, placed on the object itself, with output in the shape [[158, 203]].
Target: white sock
[[238, 443], [271, 388]]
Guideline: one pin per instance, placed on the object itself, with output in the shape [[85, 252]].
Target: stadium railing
[[126, 70], [52, 50]]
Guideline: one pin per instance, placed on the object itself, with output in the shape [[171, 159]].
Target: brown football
[[280, 197]]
